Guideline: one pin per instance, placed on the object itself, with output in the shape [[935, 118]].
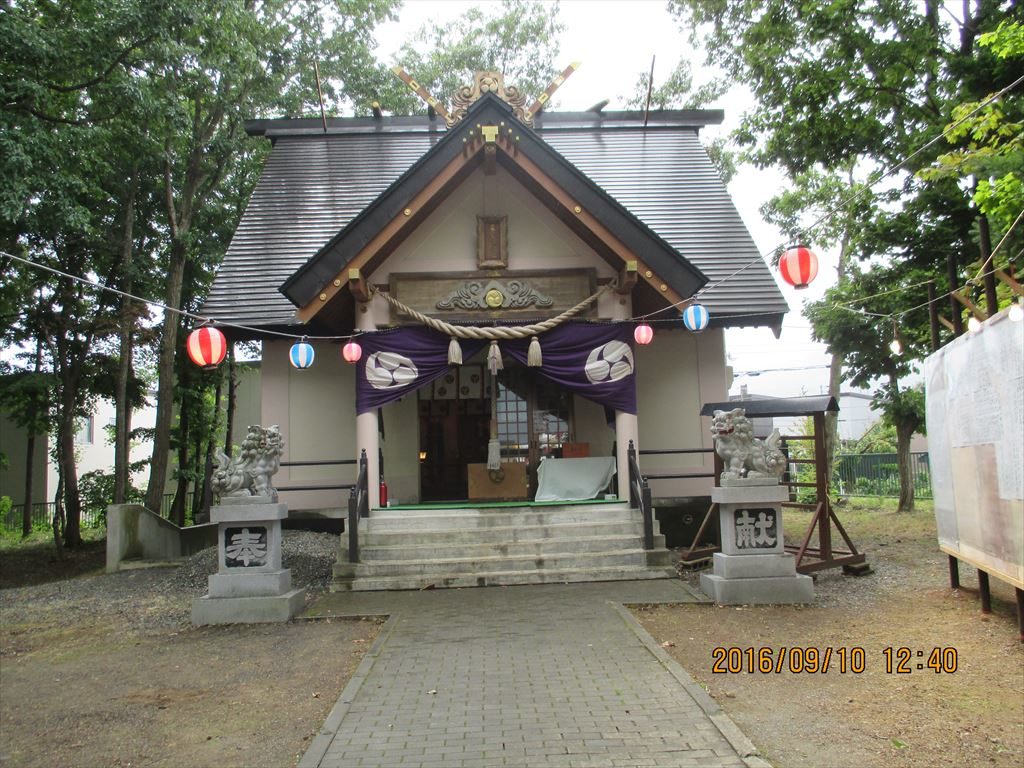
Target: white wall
[[315, 409], [676, 374]]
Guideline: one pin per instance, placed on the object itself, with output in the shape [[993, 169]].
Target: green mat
[[501, 504]]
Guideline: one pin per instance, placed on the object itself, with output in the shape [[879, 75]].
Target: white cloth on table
[[574, 479]]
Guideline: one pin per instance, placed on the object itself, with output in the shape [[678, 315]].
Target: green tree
[[843, 91], [140, 106], [519, 38], [988, 137], [225, 64], [864, 339]]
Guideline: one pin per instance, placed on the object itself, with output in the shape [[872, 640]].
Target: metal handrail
[[358, 506], [672, 452], [640, 495]]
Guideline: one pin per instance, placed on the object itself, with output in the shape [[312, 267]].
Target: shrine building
[[490, 266]]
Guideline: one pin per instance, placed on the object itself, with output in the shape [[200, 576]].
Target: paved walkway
[[555, 675]]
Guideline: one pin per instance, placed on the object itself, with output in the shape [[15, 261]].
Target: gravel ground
[[133, 593]]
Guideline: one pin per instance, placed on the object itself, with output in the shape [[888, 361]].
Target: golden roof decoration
[[488, 82]]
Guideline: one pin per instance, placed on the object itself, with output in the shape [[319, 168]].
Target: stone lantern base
[[753, 567], [250, 585]]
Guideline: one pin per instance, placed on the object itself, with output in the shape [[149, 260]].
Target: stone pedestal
[[250, 585], [753, 566]]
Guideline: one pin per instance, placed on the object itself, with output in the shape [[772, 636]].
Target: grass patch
[[35, 560]]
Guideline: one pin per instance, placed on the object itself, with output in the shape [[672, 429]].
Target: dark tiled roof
[[776, 406], [314, 183], [685, 279]]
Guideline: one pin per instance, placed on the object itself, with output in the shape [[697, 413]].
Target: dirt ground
[[875, 718], [100, 670]]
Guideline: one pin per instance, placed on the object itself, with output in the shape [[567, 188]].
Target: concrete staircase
[[477, 547]]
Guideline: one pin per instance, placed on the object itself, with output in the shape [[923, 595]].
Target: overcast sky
[[615, 40]]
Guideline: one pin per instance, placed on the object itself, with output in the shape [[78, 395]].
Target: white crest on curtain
[[389, 370], [610, 362]]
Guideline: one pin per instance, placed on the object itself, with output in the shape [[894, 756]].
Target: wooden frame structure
[[1011, 278], [808, 558]]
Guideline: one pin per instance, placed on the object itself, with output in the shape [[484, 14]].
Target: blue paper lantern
[[301, 355], [696, 317]]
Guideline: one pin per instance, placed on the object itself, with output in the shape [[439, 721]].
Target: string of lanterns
[[798, 267]]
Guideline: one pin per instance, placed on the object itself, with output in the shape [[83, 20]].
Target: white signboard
[[974, 390]]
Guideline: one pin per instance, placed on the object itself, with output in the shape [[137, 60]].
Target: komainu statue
[[249, 473], [744, 456]]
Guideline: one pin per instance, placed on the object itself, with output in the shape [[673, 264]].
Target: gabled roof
[[320, 192], [582, 205]]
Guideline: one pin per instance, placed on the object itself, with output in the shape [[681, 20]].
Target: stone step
[[370, 536], [502, 578], [496, 518], [513, 509], [482, 565], [407, 549]]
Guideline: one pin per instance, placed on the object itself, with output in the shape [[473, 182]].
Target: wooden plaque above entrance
[[492, 294]]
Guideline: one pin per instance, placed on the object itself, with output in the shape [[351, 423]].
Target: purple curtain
[[592, 360], [400, 361]]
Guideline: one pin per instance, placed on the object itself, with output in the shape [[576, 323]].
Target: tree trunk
[[903, 434], [123, 411], [165, 374], [30, 455], [26, 512], [58, 512], [178, 505], [835, 365], [197, 474], [68, 470], [232, 399], [203, 498]]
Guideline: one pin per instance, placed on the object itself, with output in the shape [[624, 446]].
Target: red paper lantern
[[643, 334], [352, 352], [206, 347], [798, 266]]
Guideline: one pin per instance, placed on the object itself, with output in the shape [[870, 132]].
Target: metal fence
[[42, 515], [877, 474]]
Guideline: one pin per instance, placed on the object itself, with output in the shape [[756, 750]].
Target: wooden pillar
[[1020, 612], [625, 431], [933, 317], [954, 283], [985, 592], [821, 484], [367, 436], [989, 269], [626, 425]]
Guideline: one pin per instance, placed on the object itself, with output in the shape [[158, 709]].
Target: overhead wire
[[865, 189], [893, 315], [758, 259]]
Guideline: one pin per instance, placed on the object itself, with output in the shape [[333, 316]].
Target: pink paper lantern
[[643, 334], [352, 352]]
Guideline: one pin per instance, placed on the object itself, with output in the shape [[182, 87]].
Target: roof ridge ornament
[[486, 81]]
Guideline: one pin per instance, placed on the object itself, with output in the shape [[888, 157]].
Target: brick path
[[521, 676]]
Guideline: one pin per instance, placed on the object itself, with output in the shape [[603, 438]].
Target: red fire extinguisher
[[383, 493]]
